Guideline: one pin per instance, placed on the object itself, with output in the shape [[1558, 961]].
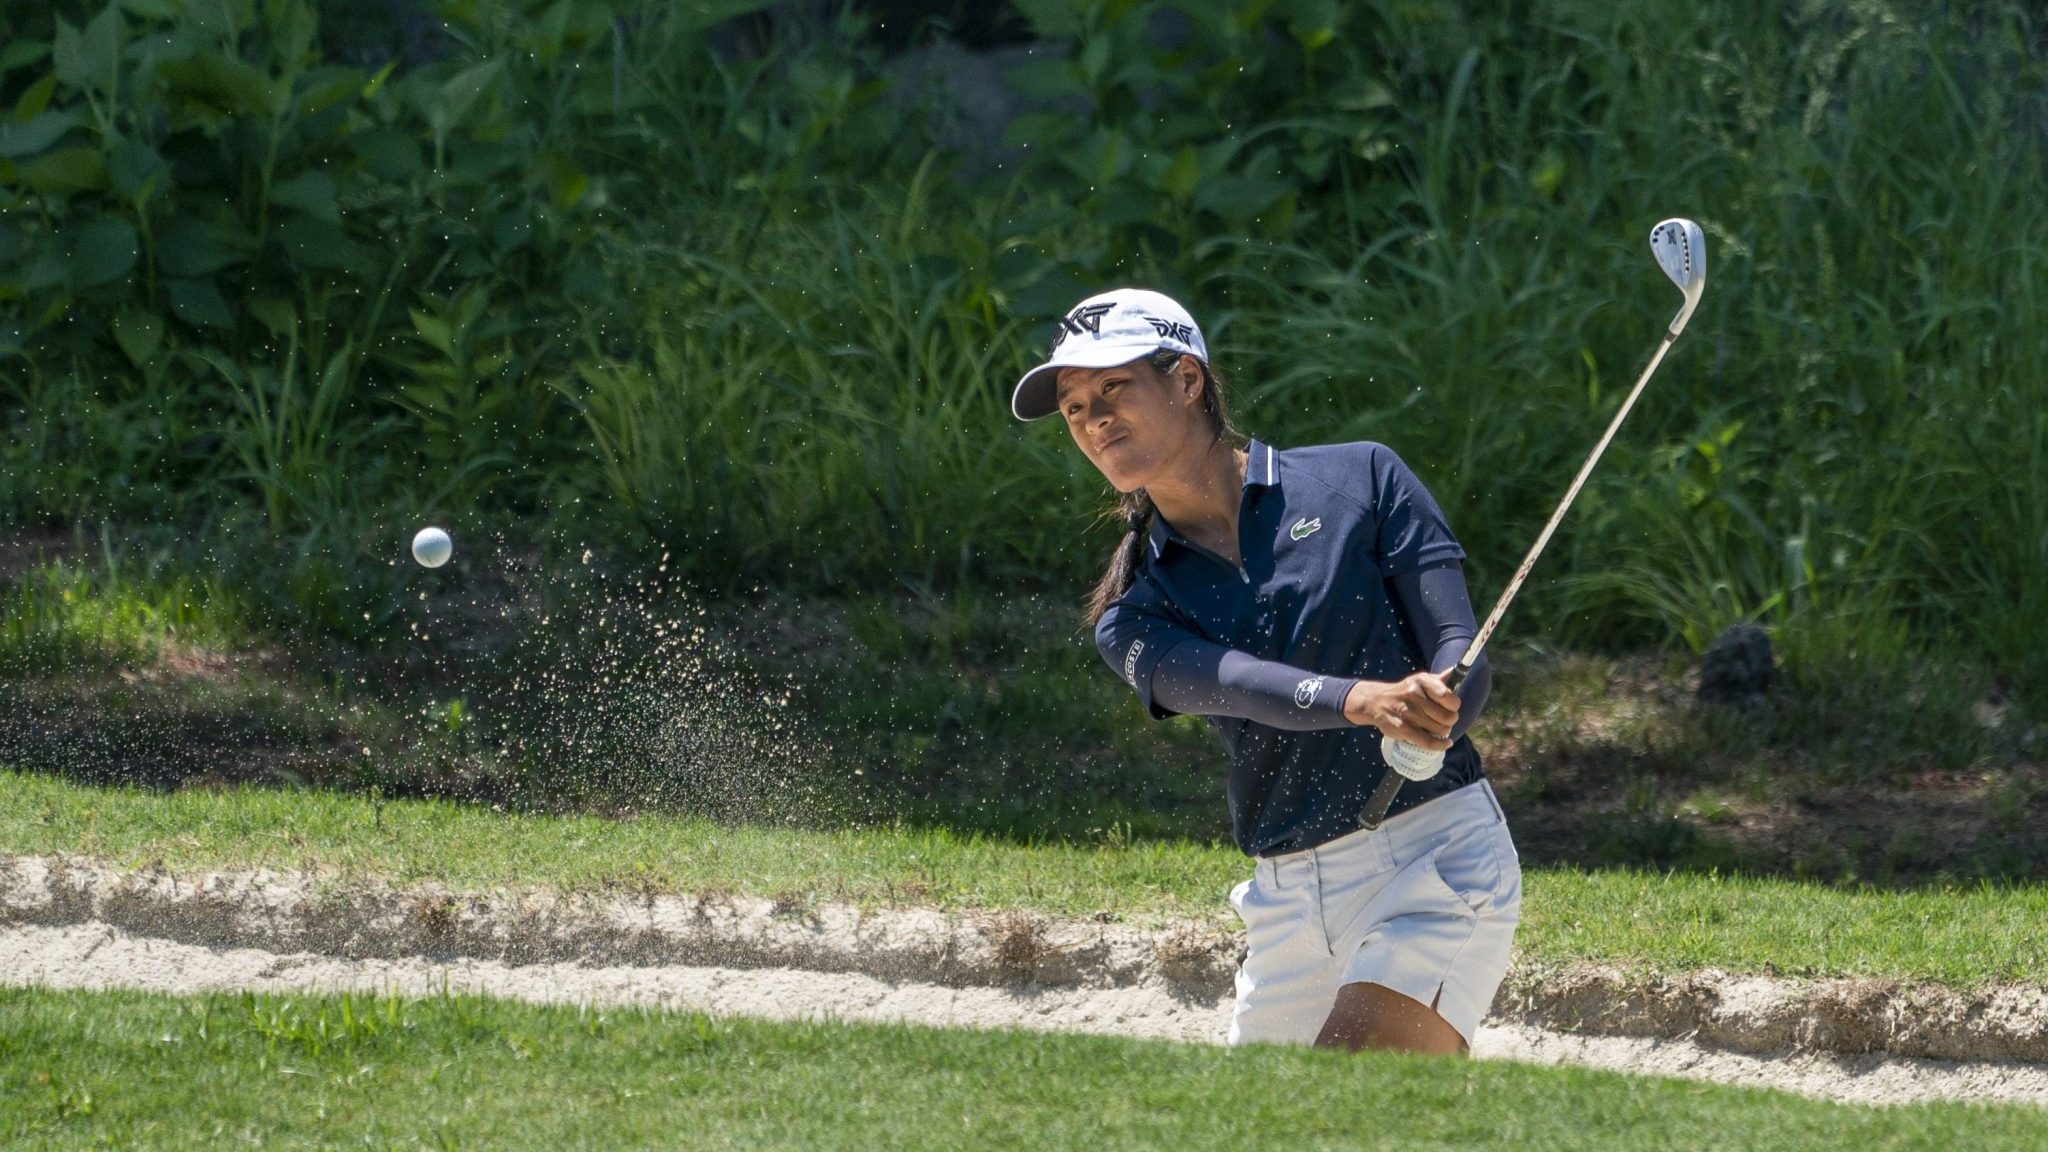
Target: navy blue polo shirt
[[1322, 531]]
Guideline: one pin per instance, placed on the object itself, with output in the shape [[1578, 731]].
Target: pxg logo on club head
[[1681, 251]]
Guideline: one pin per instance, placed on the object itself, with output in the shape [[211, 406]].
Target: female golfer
[[1305, 602]]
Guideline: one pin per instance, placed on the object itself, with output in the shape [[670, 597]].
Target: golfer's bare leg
[[1376, 1016]]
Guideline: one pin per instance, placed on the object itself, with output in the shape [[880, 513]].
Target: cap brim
[[1037, 393]]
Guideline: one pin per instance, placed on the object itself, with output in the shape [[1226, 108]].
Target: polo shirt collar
[[1261, 470]]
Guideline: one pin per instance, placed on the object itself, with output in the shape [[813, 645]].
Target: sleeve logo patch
[[1137, 649], [1305, 693], [1305, 527]]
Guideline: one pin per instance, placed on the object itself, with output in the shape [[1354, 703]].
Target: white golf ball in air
[[432, 547]]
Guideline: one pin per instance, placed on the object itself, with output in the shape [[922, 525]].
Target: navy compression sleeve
[[1439, 614], [1201, 678]]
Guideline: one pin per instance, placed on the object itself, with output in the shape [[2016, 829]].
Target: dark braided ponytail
[[1134, 509]]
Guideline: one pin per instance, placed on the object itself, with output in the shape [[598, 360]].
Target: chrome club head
[[1682, 252]]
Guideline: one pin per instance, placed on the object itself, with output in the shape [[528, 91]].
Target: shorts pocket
[[1258, 907], [1278, 918], [1238, 894], [1472, 866]]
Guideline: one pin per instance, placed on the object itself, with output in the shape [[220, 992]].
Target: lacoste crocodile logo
[[1305, 527]]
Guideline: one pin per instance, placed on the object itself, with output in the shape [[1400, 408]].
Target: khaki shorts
[[1426, 904]]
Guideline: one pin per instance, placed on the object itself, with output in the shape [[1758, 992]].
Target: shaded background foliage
[[748, 282]]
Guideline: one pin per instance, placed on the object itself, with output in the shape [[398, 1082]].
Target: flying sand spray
[[1682, 252]]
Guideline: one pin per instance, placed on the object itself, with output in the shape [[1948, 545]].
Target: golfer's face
[[1130, 421]]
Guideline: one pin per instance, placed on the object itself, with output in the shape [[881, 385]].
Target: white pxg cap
[[1103, 331]]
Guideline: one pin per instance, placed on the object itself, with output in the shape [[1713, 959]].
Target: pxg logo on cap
[[1104, 331], [1085, 319]]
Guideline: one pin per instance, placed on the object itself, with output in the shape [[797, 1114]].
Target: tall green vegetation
[[121, 611], [593, 271], [241, 284]]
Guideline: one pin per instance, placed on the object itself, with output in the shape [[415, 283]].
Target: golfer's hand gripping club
[[1681, 250]]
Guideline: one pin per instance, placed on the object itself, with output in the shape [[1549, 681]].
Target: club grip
[[1456, 676]]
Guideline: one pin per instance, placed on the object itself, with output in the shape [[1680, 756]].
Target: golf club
[[1681, 251]]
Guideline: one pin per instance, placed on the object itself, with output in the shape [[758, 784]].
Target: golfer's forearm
[[1473, 692], [1200, 678], [1439, 611]]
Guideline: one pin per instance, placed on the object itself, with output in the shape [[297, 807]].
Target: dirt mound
[[1766, 1014], [1190, 964], [289, 911]]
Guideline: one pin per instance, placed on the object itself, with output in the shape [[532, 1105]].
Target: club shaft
[[1500, 607], [1382, 797]]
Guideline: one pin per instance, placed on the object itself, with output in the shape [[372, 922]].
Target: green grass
[[145, 1071], [1681, 920], [579, 689], [473, 846], [1960, 936]]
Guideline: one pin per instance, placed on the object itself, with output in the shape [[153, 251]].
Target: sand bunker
[[77, 924]]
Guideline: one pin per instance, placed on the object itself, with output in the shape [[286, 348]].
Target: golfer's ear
[[1190, 376]]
